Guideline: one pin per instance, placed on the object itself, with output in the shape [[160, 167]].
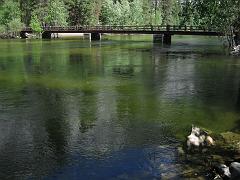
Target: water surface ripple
[[115, 109]]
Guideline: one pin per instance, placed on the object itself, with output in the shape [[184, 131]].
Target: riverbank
[[59, 35], [9, 36], [205, 161]]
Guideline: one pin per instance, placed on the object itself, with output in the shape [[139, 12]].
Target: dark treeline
[[222, 14]]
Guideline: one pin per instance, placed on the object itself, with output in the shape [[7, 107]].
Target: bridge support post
[[167, 39], [23, 35], [158, 38], [46, 35], [237, 39], [95, 36]]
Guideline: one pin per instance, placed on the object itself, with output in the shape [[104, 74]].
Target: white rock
[[199, 138], [193, 140], [209, 141]]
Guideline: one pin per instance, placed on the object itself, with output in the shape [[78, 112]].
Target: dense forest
[[221, 14]]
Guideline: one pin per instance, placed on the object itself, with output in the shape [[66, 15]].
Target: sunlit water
[[115, 109]]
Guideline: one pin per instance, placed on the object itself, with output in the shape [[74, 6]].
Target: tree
[[136, 13], [8, 11], [10, 21], [81, 12], [2, 29], [157, 18], [27, 7], [107, 15], [187, 14], [40, 14], [221, 15], [97, 11], [167, 10], [115, 13], [15, 25], [57, 13], [124, 7], [147, 11], [36, 25], [176, 12]]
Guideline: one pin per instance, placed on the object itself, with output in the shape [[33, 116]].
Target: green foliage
[[53, 13], [176, 12], [36, 24], [147, 17], [123, 13], [136, 13], [9, 11], [223, 14], [167, 12], [15, 25], [40, 14], [156, 13], [218, 14], [57, 13], [115, 13], [81, 12], [2, 29], [27, 8], [108, 13], [186, 14]]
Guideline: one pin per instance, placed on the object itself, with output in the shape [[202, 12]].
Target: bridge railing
[[124, 28]]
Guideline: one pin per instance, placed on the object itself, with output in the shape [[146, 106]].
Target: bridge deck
[[171, 30]]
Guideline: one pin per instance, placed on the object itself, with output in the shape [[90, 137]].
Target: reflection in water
[[179, 78], [124, 71], [117, 109], [130, 163], [53, 113]]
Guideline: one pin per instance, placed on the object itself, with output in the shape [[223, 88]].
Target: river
[[115, 109]]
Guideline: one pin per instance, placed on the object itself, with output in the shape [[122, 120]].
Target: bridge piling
[[167, 39], [23, 35], [237, 39], [95, 36], [158, 38], [46, 35]]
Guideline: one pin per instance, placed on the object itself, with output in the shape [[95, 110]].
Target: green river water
[[74, 109]]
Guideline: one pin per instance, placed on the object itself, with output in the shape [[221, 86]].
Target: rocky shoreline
[[205, 162], [235, 51], [8, 36]]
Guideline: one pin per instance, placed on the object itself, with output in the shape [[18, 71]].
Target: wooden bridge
[[162, 33]]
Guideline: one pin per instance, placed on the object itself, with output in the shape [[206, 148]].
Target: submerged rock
[[180, 151], [232, 172], [235, 170], [230, 137], [231, 140], [223, 171]]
